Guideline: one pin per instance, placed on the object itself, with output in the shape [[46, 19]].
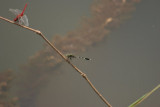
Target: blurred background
[[120, 36]]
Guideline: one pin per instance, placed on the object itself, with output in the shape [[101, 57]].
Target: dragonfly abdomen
[[84, 58]]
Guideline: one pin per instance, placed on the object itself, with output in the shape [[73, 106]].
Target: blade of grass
[[138, 101]]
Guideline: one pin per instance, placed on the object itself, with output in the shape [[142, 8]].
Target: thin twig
[[64, 57]]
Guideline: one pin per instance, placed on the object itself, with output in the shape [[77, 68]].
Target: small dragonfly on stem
[[21, 18], [71, 56]]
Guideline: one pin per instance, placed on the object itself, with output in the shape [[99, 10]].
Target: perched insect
[[20, 17], [71, 56]]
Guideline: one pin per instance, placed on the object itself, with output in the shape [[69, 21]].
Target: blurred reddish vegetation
[[106, 16], [5, 80]]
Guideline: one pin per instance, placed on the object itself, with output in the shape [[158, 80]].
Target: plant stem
[[64, 57]]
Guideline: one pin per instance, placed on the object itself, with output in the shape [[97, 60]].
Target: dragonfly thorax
[[17, 18]]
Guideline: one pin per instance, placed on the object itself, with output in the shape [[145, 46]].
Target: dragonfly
[[21, 18], [71, 56]]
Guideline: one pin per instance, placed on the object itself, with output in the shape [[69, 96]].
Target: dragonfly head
[[16, 19]]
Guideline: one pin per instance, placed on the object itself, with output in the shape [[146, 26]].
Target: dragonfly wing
[[15, 11], [20, 21], [24, 20]]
